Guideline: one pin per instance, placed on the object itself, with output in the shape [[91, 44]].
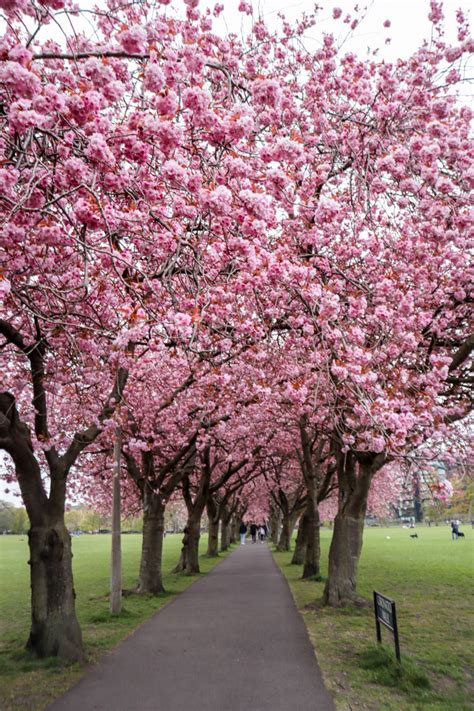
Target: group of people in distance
[[255, 530]]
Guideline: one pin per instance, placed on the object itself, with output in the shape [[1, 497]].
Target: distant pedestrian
[[454, 530], [261, 533], [242, 531], [253, 532]]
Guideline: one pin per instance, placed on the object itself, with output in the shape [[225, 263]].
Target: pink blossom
[[167, 105], [14, 5], [197, 100], [266, 91], [245, 7], [154, 78], [87, 212], [436, 12], [8, 177], [20, 80], [169, 136], [173, 171], [98, 150], [182, 319], [133, 40]]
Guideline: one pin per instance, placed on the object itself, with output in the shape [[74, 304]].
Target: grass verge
[[430, 578], [31, 684]]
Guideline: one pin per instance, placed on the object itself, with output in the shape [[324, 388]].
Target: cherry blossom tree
[[278, 236]]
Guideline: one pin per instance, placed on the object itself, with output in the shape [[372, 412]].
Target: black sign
[[386, 614]]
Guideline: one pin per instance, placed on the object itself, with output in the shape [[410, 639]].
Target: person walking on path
[[242, 531], [253, 532]]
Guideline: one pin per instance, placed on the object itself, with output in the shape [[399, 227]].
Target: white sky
[[409, 27], [409, 20]]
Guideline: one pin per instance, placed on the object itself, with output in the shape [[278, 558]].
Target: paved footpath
[[233, 641]]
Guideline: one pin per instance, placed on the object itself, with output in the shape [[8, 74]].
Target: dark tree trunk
[[225, 528], [213, 530], [189, 560], [355, 476], [183, 558], [194, 534], [274, 524], [55, 630], [287, 527], [150, 578], [300, 545], [312, 557], [313, 549], [213, 539], [344, 553], [225, 535]]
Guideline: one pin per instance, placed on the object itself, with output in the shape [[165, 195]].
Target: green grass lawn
[[430, 579], [26, 683]]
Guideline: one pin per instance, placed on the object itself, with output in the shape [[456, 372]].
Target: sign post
[[386, 614]]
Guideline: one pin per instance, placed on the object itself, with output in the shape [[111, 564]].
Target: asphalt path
[[233, 641]]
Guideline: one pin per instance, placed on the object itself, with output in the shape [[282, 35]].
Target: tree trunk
[[312, 559], [355, 476], [150, 579], [213, 539], [287, 527], [213, 530], [313, 548], [344, 553], [274, 524], [55, 630], [194, 534], [183, 558], [189, 559], [225, 530], [300, 545]]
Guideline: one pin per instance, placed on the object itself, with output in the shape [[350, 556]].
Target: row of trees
[[248, 260], [13, 519]]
